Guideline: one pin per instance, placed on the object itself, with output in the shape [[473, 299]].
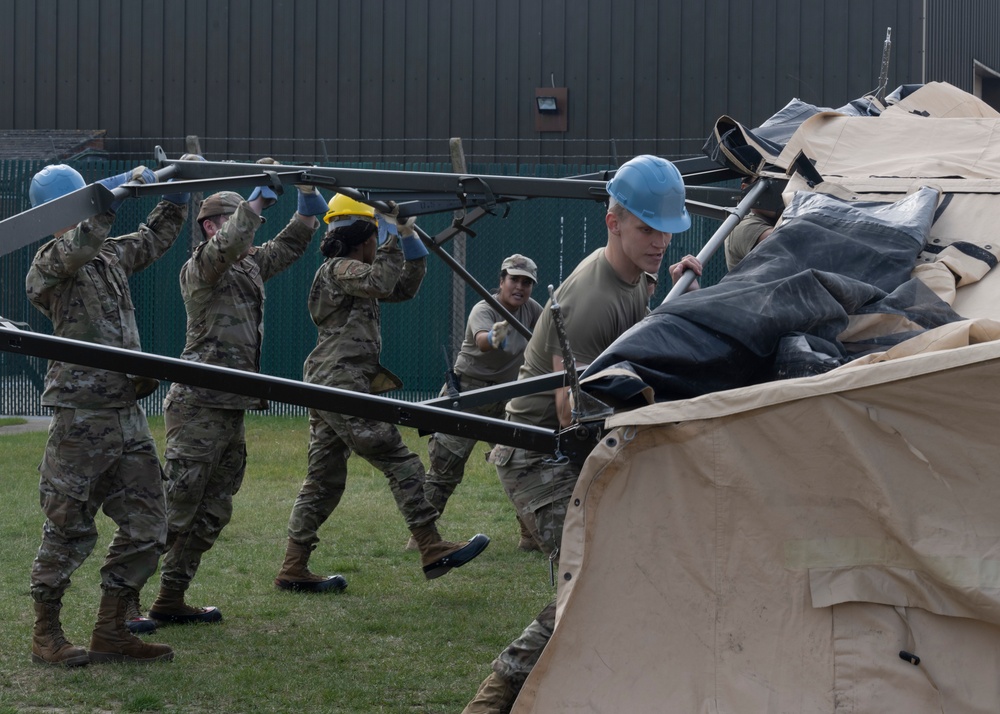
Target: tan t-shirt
[[597, 306], [501, 365], [744, 237]]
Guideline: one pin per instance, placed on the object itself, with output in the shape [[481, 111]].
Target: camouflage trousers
[[94, 459], [448, 454], [516, 661], [540, 488], [206, 458], [332, 438]]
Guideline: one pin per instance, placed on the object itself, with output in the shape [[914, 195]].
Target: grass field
[[393, 642]]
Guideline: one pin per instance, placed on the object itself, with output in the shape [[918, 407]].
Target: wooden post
[[458, 253]]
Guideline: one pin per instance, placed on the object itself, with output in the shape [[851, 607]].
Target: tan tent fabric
[[760, 396], [946, 337], [828, 544], [980, 300], [847, 146], [963, 130], [772, 549], [940, 99]]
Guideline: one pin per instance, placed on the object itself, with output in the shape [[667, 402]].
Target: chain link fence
[[417, 335]]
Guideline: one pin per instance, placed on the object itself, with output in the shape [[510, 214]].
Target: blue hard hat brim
[[676, 224], [669, 225]]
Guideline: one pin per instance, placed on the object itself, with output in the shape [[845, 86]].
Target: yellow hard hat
[[341, 205]]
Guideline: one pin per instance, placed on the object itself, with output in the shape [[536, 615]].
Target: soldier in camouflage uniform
[[344, 302], [222, 284], [606, 294], [100, 452], [490, 354]]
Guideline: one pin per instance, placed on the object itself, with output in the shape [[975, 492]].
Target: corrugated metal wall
[[370, 80], [959, 33]]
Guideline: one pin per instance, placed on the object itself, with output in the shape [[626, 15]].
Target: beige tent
[[826, 544]]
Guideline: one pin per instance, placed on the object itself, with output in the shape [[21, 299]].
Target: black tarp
[[781, 311]]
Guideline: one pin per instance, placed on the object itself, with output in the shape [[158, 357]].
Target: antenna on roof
[[883, 77]]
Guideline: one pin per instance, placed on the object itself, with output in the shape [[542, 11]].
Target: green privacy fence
[[417, 334]]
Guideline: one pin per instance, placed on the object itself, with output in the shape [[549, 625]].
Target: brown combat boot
[[134, 620], [439, 556], [112, 642], [49, 644], [495, 696], [295, 575], [527, 542], [169, 608]]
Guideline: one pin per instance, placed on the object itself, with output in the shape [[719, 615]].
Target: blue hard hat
[[52, 182], [652, 189]]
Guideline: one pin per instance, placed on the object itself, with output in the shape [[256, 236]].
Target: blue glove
[[311, 203], [178, 198], [413, 248], [139, 173], [385, 229], [269, 196]]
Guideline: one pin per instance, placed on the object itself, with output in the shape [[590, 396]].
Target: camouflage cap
[[518, 264], [223, 203]]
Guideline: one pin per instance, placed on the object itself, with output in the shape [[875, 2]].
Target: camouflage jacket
[[344, 304], [224, 299], [80, 282]]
